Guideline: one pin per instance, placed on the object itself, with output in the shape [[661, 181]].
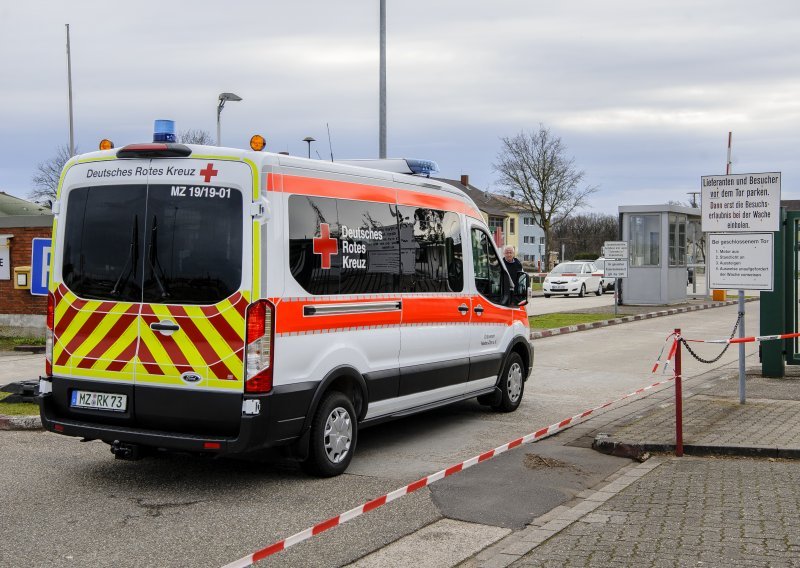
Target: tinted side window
[[337, 246], [103, 242], [430, 250], [487, 268], [369, 247], [314, 259]]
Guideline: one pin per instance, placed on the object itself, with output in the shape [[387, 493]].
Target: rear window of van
[[152, 243]]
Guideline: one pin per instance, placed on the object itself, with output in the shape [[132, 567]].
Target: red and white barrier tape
[[670, 355], [747, 339], [250, 559]]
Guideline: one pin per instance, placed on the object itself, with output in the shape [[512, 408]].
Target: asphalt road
[[67, 503], [539, 305]]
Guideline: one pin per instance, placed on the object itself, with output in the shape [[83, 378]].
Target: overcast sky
[[643, 93]]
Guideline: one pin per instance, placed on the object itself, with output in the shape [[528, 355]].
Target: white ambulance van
[[223, 301]]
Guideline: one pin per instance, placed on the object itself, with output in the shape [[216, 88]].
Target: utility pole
[[69, 85], [382, 95], [694, 195]]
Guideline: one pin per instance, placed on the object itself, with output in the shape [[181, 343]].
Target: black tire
[[547, 295], [512, 384], [582, 293], [328, 456], [600, 290]]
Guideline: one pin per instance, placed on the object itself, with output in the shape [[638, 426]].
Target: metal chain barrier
[[718, 357]]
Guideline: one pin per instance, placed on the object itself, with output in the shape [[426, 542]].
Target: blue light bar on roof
[[422, 167], [164, 131]]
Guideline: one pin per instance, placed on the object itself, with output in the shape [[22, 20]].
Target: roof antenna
[[329, 139]]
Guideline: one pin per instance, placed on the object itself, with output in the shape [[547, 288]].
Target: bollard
[[678, 397]]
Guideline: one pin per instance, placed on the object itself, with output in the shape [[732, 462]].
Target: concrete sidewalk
[[716, 510]]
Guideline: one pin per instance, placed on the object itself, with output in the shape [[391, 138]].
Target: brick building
[[21, 313]]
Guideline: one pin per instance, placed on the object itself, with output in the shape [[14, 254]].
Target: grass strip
[[17, 408], [11, 342], [552, 321]]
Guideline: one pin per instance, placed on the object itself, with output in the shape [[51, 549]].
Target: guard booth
[[780, 309], [666, 254]]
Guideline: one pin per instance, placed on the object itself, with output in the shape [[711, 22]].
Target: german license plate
[[559, 288], [99, 400]]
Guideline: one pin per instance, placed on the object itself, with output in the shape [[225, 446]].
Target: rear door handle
[[478, 309], [165, 327], [464, 309]]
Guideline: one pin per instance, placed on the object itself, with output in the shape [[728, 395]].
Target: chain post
[[678, 396]]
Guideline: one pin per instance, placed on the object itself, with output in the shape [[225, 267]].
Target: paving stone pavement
[[712, 511], [688, 512]]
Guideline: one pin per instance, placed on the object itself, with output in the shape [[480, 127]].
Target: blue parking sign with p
[[40, 267]]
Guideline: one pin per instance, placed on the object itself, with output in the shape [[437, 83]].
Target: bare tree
[[195, 136], [534, 168], [584, 234], [45, 180]]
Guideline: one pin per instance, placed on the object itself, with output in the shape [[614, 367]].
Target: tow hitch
[[123, 451]]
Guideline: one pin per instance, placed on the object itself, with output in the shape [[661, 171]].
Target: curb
[[20, 422], [604, 323], [612, 447]]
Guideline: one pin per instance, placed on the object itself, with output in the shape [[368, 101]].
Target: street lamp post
[[223, 98], [308, 140]]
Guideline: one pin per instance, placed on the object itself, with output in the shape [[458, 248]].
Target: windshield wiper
[[133, 255], [152, 258]]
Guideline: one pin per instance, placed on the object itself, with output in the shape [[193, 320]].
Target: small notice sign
[[5, 263], [740, 261], [741, 203], [616, 268], [615, 249]]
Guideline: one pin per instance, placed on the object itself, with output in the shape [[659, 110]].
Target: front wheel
[[599, 291], [582, 293], [334, 432], [512, 384], [547, 295]]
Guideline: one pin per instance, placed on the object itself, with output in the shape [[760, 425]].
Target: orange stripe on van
[[290, 319], [364, 192], [435, 310], [417, 310]]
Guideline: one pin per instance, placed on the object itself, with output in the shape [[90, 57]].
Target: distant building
[[513, 218], [21, 314]]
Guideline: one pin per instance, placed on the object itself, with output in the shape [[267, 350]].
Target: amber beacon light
[[257, 142], [106, 144]]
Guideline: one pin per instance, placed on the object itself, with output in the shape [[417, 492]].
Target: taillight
[[259, 354], [48, 336]]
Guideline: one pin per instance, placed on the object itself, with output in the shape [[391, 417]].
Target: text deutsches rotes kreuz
[[351, 247]]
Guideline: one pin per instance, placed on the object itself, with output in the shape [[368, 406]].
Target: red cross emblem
[[325, 246], [208, 173]]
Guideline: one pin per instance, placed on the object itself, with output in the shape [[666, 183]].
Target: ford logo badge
[[191, 377]]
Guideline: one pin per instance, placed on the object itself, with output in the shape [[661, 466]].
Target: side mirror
[[520, 292]]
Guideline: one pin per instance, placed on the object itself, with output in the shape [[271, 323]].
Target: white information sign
[[741, 203], [616, 268], [5, 263], [740, 261], [615, 249]]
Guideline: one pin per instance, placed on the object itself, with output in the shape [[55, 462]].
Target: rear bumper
[[216, 425]]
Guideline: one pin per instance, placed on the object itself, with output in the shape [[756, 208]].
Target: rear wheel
[[599, 291], [334, 432], [512, 384]]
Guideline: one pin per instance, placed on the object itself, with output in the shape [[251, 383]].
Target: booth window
[[677, 240], [645, 237]]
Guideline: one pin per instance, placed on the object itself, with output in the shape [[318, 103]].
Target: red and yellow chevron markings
[[112, 340]]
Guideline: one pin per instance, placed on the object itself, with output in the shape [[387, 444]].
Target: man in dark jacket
[[513, 265]]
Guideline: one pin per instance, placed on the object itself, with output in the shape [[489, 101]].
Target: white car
[[608, 283], [573, 278]]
